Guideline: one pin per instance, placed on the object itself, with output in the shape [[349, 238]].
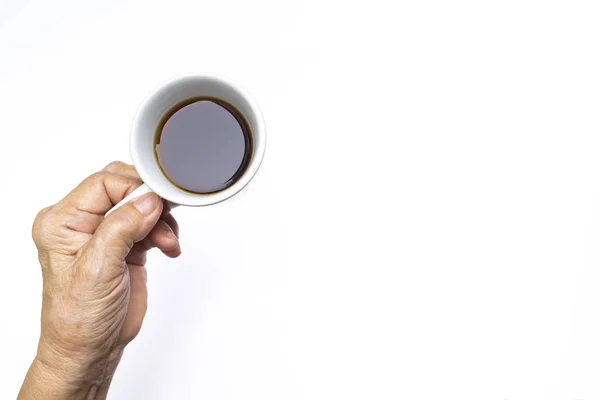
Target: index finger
[[99, 193], [121, 168]]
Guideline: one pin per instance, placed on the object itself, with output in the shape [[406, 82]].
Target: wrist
[[55, 374], [81, 365]]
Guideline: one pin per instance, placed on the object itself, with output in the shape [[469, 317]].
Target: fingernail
[[146, 204]]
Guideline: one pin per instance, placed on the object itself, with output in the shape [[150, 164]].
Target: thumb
[[120, 230]]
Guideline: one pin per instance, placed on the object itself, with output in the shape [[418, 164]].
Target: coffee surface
[[203, 145]]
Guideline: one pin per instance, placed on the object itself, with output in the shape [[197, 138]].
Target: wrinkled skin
[[94, 275]]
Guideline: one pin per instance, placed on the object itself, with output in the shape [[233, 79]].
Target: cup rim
[[179, 196]]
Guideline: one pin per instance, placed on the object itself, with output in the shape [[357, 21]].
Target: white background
[[426, 223]]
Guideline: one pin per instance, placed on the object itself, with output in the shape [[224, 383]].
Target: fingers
[[170, 220], [69, 224], [84, 208], [120, 168], [164, 236], [174, 226], [99, 193], [131, 223], [82, 212]]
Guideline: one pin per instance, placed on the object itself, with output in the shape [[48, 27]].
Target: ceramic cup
[[151, 112]]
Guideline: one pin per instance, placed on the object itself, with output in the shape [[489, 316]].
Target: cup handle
[[136, 193]]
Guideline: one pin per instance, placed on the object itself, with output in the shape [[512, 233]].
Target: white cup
[[149, 115]]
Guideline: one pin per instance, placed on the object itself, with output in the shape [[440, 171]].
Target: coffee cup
[[148, 120]]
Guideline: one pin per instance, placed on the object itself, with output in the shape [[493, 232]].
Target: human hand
[[94, 291]]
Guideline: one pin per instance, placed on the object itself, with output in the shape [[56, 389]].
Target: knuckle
[[115, 166], [40, 225], [97, 177]]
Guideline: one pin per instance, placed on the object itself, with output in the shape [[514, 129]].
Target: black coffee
[[203, 145]]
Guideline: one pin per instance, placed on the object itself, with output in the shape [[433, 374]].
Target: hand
[[94, 292]]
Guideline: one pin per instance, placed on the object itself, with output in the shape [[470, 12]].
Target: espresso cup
[[146, 124]]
